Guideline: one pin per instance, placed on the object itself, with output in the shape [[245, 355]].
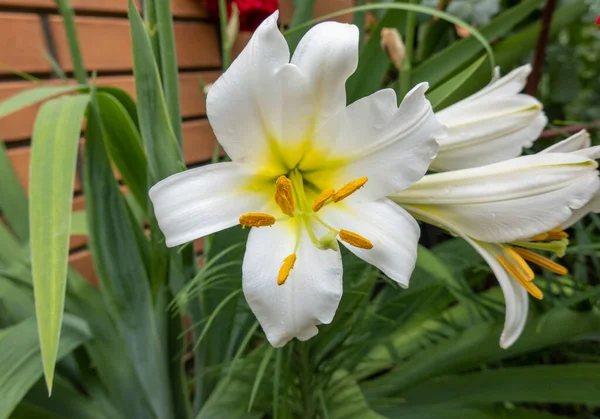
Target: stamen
[[283, 196], [322, 199], [355, 240], [256, 219], [286, 267], [539, 237], [541, 261], [514, 259], [349, 188], [557, 235], [528, 285]]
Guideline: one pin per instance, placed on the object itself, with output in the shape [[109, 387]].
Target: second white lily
[[508, 211]]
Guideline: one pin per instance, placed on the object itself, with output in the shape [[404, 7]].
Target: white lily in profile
[[509, 212], [299, 157], [492, 125], [579, 143]]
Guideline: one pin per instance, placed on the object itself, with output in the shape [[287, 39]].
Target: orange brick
[[22, 44], [198, 141], [106, 44], [180, 8], [82, 262]]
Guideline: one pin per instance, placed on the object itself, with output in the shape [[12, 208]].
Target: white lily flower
[[492, 125], [579, 143], [299, 156], [508, 211]]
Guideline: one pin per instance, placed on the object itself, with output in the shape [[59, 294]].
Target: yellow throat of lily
[[516, 255], [290, 197]]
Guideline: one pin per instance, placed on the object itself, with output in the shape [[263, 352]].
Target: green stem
[[67, 14], [225, 41], [405, 73]]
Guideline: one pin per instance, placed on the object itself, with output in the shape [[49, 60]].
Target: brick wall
[[31, 28]]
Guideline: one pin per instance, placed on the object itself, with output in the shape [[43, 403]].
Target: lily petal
[[510, 84], [578, 214], [577, 141], [508, 220], [511, 179], [245, 105], [327, 55], [485, 142], [393, 146], [515, 296], [310, 295], [393, 232], [201, 201]]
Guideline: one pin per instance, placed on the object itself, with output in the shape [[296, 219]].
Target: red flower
[[252, 12]]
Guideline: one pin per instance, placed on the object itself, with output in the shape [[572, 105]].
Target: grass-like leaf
[[53, 159]]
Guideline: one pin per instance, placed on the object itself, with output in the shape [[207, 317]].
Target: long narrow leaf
[[13, 201], [20, 360], [120, 266], [164, 154], [168, 64], [32, 96], [52, 176]]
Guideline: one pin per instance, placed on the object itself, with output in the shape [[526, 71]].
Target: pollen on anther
[[286, 267], [256, 219], [355, 240], [322, 199], [349, 188], [284, 196]]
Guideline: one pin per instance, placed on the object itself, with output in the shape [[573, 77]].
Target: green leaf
[[446, 93], [576, 383], [124, 146], [32, 96], [20, 360], [13, 201], [120, 266], [53, 158], [477, 344], [164, 154], [344, 399], [445, 63], [79, 223], [68, 16], [168, 64], [436, 412]]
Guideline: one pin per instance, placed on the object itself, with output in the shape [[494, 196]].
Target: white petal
[[309, 297], [510, 84], [327, 56], [505, 221], [201, 201], [515, 296], [578, 214], [391, 146], [487, 142], [575, 142], [249, 105], [511, 179], [393, 232]]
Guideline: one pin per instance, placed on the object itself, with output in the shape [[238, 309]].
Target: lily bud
[[391, 43], [492, 125]]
